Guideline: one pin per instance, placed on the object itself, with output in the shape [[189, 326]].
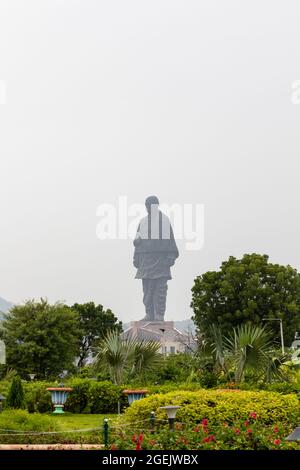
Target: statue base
[[171, 339]]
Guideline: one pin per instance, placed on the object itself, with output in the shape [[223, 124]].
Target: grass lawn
[[70, 421]]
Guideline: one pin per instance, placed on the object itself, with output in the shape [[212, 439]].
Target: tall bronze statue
[[155, 252]]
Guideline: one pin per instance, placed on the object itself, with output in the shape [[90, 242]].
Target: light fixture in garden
[[281, 331], [134, 394], [2, 398], [171, 412], [294, 436], [32, 376], [59, 397]]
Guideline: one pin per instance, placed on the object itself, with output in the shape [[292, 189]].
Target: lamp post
[[163, 341], [171, 412], [281, 330], [294, 436]]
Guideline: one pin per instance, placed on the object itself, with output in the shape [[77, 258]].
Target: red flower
[[277, 442], [210, 438], [133, 439], [276, 429], [185, 441], [204, 422], [152, 442], [197, 429], [237, 431], [139, 442], [249, 431], [253, 415], [246, 423]]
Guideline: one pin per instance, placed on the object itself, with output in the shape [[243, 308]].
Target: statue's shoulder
[[164, 217]]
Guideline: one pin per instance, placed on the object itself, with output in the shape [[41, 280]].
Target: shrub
[[89, 396], [38, 399], [21, 420], [208, 379], [248, 434], [78, 399], [171, 387], [16, 397], [218, 406], [104, 397]]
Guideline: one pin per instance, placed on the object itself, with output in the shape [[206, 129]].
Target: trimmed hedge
[[219, 406], [93, 397]]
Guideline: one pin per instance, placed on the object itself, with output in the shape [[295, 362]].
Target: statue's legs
[[148, 288], [160, 298]]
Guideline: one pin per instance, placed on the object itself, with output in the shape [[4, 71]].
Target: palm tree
[[251, 347], [126, 357], [218, 349]]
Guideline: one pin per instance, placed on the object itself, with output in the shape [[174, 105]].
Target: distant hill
[[4, 306]]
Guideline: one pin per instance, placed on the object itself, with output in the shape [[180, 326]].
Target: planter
[[59, 397], [134, 395]]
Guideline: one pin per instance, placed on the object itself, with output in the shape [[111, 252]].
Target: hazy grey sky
[[189, 100]]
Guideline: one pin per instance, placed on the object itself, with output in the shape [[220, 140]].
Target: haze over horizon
[[190, 101]]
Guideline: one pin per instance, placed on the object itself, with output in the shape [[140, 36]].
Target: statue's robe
[[155, 253]]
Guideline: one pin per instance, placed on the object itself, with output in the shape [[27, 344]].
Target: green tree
[[126, 358], [95, 322], [16, 396], [247, 290], [41, 338]]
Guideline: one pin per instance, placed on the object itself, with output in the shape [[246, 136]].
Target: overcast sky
[[188, 100]]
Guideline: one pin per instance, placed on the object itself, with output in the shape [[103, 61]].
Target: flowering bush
[[219, 406], [248, 434]]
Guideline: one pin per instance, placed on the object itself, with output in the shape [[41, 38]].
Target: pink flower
[[276, 429], [237, 431], [277, 442], [249, 431], [253, 415], [204, 422], [246, 423], [133, 439]]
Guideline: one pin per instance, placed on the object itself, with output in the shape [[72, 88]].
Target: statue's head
[[152, 204]]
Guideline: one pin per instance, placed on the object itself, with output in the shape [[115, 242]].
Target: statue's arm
[[136, 243]]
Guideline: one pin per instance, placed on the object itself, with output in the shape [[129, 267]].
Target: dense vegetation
[[237, 390]]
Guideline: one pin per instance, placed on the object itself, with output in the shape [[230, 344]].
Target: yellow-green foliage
[[219, 406]]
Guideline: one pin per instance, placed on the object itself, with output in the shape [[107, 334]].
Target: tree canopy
[[41, 338], [250, 289], [95, 323]]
